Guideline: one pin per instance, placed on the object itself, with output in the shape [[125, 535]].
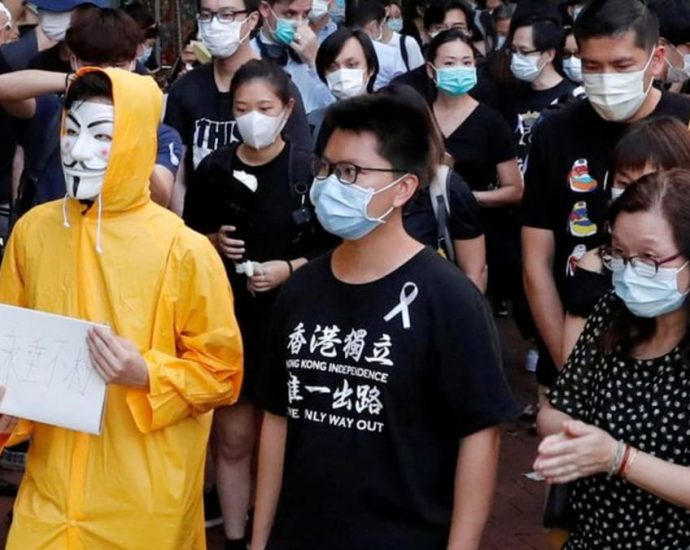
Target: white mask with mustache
[[85, 146]]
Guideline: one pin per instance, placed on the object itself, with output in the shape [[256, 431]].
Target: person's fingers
[[103, 355], [97, 364]]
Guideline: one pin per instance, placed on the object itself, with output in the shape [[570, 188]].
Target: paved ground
[[515, 521]]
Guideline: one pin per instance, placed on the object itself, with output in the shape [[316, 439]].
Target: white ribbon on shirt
[[408, 294]]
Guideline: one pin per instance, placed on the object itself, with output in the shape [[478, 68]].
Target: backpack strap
[[439, 190], [403, 52]]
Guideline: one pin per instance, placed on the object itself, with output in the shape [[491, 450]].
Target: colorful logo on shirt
[[579, 223], [579, 178], [576, 255]]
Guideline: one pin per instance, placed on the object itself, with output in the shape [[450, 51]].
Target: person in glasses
[[648, 146], [199, 106], [617, 420], [380, 425]]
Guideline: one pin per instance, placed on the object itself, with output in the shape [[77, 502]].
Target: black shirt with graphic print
[[523, 109], [203, 116], [564, 183], [379, 383]]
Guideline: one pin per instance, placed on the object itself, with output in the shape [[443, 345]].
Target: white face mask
[[346, 83], [144, 57], [259, 130], [54, 24], [500, 41], [525, 67], [572, 67], [617, 96], [85, 147], [221, 39], [319, 8], [676, 75]]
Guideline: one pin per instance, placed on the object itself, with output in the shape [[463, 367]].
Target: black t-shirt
[[50, 60], [264, 221], [523, 109], [8, 146], [464, 222], [564, 183], [203, 117], [378, 386], [481, 142], [486, 90]]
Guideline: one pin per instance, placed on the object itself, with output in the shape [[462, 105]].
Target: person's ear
[[252, 21], [265, 9], [289, 108], [431, 71], [405, 190], [549, 55], [658, 65]]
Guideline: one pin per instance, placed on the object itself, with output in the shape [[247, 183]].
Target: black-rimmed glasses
[[224, 16], [346, 172]]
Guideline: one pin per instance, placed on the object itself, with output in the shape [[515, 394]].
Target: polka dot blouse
[[644, 403]]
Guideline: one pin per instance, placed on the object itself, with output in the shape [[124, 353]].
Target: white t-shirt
[[391, 63], [414, 52]]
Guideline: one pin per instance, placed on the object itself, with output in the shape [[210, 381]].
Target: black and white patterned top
[[644, 403]]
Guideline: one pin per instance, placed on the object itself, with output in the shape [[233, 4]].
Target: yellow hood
[[138, 103]]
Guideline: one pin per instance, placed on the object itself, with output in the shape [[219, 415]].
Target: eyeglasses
[[518, 51], [641, 265], [224, 16], [346, 172]]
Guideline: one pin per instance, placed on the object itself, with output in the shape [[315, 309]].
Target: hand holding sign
[[7, 422], [116, 359]]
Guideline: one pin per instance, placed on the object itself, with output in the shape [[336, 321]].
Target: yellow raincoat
[[157, 283]]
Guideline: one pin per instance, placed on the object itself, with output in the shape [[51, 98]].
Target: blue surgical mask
[[342, 209], [285, 30], [395, 25], [337, 11], [650, 297], [457, 80]]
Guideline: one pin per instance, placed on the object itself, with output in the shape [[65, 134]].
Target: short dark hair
[[88, 86], [547, 34], [434, 14], [333, 45], [464, 7], [606, 18], [359, 13], [662, 142], [144, 18], [249, 5], [103, 36], [263, 69], [668, 193], [674, 19], [401, 128], [444, 37]]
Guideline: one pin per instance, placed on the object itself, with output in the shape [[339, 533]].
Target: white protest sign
[[45, 367]]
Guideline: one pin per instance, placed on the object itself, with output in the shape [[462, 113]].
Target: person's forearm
[[21, 85], [670, 482], [475, 480], [503, 196], [550, 421], [269, 478], [470, 256], [572, 329], [179, 187], [547, 310], [161, 185]]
